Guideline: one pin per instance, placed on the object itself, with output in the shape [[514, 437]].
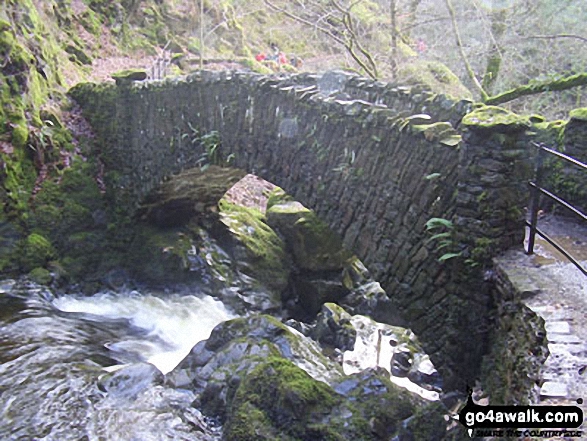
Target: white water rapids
[[58, 355], [172, 326], [54, 352]]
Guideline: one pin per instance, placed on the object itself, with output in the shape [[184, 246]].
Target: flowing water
[[56, 354]]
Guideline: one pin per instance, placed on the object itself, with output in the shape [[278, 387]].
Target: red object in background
[[260, 57], [282, 58], [421, 46]]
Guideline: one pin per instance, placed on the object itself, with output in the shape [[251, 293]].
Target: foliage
[[442, 231]]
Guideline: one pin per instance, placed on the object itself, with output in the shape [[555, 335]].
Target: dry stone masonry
[[423, 197]]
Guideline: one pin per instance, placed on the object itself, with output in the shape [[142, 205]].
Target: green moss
[[434, 76], [280, 399], [428, 423], [71, 213], [495, 119], [20, 135], [269, 259], [248, 423], [4, 25], [37, 250], [579, 114], [40, 276], [91, 22], [130, 75], [315, 246]]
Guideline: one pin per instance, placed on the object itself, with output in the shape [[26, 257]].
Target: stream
[[55, 354], [74, 367]]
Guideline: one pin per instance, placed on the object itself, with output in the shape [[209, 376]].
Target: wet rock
[[401, 362], [129, 381], [312, 290], [553, 389], [428, 423], [424, 374], [370, 397], [371, 300], [238, 346], [314, 245], [334, 328], [301, 327], [192, 192]]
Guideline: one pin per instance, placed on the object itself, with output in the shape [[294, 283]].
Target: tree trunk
[[394, 60], [498, 27], [539, 87], [459, 42]]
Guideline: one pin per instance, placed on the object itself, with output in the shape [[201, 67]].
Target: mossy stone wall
[[375, 161]]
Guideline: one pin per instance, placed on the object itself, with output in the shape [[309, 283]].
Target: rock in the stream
[[129, 381], [424, 374], [315, 247], [235, 348], [401, 362], [334, 328], [310, 290], [266, 381]]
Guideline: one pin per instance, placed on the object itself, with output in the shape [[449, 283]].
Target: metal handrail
[[158, 69], [537, 190]]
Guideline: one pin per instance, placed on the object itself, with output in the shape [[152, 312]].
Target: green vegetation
[[436, 77], [496, 119], [269, 260], [278, 398], [442, 231]]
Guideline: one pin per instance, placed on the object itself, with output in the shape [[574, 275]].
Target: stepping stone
[[559, 327], [554, 389], [562, 348]]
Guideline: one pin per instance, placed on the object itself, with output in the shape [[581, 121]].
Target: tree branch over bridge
[[536, 87]]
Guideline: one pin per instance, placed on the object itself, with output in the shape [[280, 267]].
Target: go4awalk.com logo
[[522, 421]]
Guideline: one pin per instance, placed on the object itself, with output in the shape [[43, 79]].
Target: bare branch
[[306, 22], [468, 67], [554, 37]]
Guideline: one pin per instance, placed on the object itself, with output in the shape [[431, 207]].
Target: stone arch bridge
[[375, 161]]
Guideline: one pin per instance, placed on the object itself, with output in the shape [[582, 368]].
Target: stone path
[[557, 291]]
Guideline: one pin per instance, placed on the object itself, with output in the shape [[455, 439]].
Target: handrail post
[[535, 198]]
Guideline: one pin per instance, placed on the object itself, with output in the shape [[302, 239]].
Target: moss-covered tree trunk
[[498, 27], [535, 87]]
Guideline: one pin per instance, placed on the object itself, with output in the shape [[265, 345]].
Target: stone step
[[554, 389], [558, 327]]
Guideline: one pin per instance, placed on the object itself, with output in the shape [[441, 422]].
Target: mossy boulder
[[334, 328], [263, 255], [278, 400], [435, 76], [495, 119], [36, 251], [264, 380], [129, 75], [41, 276], [216, 367], [314, 245]]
